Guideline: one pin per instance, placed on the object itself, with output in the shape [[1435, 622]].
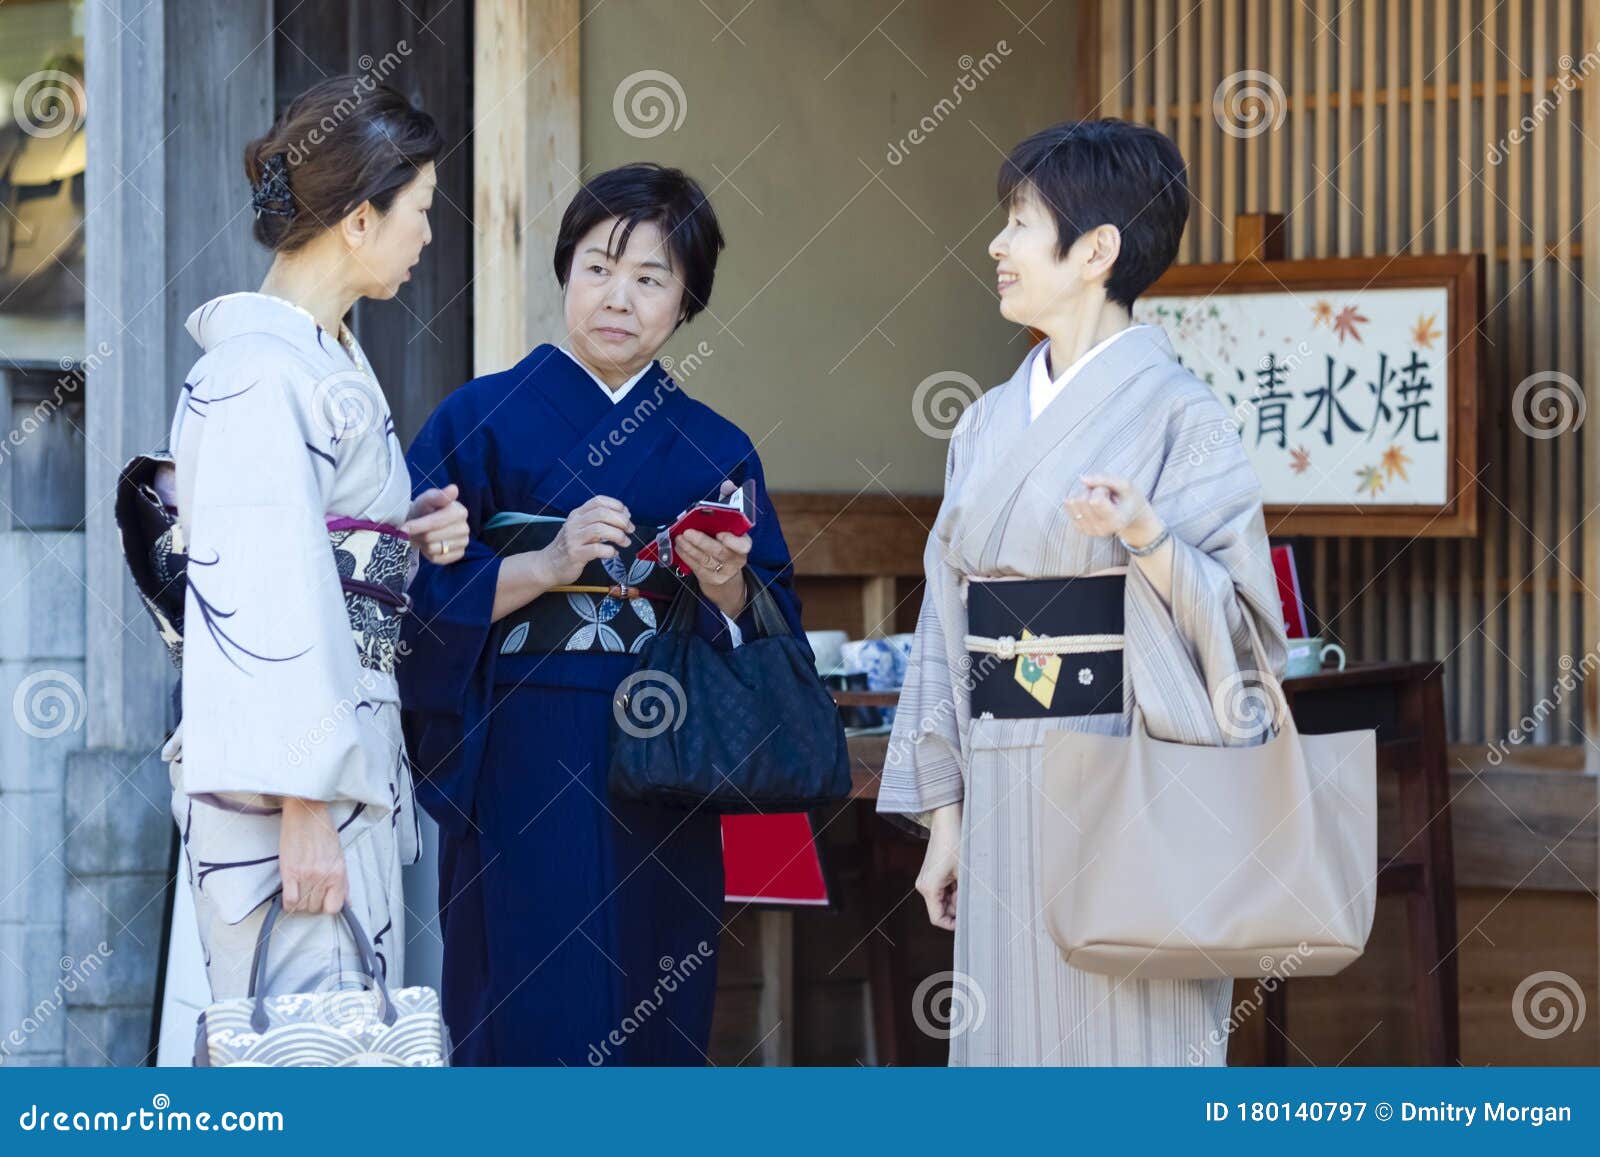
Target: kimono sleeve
[[447, 634], [922, 769], [447, 664], [273, 691], [1194, 665]]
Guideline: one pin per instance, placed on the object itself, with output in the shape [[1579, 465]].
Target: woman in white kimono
[[294, 510], [1101, 454]]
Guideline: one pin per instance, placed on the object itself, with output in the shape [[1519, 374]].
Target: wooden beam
[[845, 535], [1591, 390], [775, 1009], [527, 106]]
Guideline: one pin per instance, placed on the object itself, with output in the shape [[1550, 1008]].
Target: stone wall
[[41, 727]]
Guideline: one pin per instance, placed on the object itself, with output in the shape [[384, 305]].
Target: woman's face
[[620, 309], [1037, 288], [392, 242]]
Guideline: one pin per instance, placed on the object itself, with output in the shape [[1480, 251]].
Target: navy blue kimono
[[578, 929]]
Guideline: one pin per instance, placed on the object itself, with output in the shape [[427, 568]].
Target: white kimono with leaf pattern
[[280, 426]]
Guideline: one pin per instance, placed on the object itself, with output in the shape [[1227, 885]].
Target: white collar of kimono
[[1041, 390], [241, 312], [621, 391]]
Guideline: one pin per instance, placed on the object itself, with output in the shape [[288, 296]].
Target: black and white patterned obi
[[375, 564]]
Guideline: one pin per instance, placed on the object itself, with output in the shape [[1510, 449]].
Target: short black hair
[[668, 198], [1107, 172]]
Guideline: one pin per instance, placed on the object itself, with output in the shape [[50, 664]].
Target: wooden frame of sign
[[1461, 277]]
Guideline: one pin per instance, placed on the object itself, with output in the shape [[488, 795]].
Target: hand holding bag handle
[[258, 964], [1280, 713]]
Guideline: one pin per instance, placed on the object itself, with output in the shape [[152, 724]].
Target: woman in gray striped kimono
[[1101, 454]]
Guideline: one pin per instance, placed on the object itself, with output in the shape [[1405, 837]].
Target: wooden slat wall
[[1388, 111], [421, 342]]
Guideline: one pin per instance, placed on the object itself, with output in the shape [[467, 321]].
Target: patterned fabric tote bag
[[343, 1027]]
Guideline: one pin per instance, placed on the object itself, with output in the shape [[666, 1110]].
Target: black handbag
[[751, 730]]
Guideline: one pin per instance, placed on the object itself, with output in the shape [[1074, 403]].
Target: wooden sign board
[[1353, 381]]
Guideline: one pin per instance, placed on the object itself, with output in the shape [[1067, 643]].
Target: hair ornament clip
[[271, 193]]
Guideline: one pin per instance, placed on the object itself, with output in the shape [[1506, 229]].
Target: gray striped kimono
[[1132, 411]]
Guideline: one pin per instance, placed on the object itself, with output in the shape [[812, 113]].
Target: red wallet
[[735, 514]]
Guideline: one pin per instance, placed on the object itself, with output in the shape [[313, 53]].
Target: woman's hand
[[1109, 505], [594, 530], [437, 525], [940, 866], [718, 563], [310, 859]]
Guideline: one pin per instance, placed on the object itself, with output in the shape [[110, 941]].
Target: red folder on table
[[772, 859]]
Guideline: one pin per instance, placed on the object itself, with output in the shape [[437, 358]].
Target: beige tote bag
[[1183, 862]]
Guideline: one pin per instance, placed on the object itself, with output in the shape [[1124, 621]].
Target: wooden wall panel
[[1390, 125], [421, 342]]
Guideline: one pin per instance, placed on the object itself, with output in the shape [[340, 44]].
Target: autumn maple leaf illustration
[[1299, 459], [1369, 478], [1321, 313], [1345, 323], [1395, 462], [1423, 333]]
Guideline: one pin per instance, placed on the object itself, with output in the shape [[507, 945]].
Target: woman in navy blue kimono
[[579, 929]]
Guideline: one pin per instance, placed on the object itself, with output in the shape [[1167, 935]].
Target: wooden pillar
[[127, 315], [171, 102], [1591, 390], [526, 160], [1259, 237]]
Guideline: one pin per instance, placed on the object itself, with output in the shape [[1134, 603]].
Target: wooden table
[[1403, 702]]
